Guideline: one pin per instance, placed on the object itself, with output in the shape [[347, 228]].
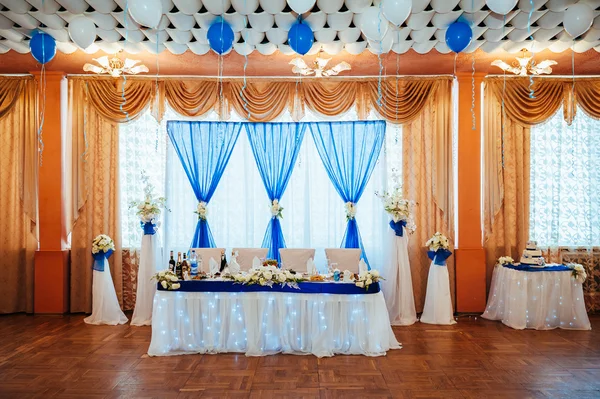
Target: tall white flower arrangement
[[150, 207], [399, 208]]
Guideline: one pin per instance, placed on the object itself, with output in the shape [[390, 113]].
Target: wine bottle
[[171, 263], [185, 268], [223, 262], [178, 266], [193, 263]]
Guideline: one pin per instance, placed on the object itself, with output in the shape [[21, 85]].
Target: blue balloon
[[458, 36], [43, 47], [300, 38], [220, 36]]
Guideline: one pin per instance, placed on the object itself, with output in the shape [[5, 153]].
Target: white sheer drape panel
[[142, 147], [238, 213], [565, 176]]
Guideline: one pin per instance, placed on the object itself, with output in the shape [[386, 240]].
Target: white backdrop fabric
[[397, 287], [149, 260], [438, 302], [264, 323], [538, 300], [105, 305]]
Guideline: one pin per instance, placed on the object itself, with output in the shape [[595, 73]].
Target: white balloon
[[301, 6], [146, 12], [82, 31], [396, 11], [373, 24], [245, 7], [578, 19], [501, 7]]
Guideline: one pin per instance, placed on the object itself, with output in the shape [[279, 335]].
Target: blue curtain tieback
[[149, 228], [439, 257], [100, 260], [398, 227]]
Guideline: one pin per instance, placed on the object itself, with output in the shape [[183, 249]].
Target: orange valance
[[260, 100]]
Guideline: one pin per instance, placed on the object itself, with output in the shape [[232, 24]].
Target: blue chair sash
[[439, 257]]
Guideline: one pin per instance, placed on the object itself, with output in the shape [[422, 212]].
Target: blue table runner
[[557, 268], [305, 288]]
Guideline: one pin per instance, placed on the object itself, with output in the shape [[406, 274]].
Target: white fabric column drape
[[105, 305], [149, 261], [397, 287], [438, 302]]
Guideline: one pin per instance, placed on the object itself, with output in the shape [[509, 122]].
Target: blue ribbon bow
[[149, 228], [398, 227], [439, 257], [100, 260]]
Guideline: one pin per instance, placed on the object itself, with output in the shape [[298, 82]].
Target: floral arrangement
[[505, 260], [438, 241], [102, 243], [270, 262], [167, 279], [276, 209], [399, 208], [578, 272], [150, 208], [202, 210], [350, 210], [365, 279], [269, 275]]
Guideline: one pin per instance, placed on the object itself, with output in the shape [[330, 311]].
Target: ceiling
[[263, 31]]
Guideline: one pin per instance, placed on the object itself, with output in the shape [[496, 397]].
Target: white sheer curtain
[[238, 213], [565, 181]]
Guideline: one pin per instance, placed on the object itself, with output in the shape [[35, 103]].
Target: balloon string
[[455, 57], [43, 110], [379, 95], [474, 127], [531, 91], [503, 120], [156, 93], [243, 89], [124, 75], [85, 138], [573, 76]]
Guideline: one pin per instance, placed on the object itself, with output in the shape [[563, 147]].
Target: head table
[[537, 298], [319, 318]]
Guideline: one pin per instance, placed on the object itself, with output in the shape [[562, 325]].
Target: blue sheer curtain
[[349, 151], [275, 147], [204, 149]]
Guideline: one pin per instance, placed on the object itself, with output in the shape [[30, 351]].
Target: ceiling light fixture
[[318, 67], [525, 65], [115, 66]]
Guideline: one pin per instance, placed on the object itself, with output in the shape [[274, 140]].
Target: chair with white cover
[[345, 258], [296, 258], [205, 254], [246, 255]]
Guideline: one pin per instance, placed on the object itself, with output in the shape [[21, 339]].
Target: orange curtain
[[18, 195]]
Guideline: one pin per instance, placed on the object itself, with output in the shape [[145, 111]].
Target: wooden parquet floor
[[62, 357]]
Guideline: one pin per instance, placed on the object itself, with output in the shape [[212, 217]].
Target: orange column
[[470, 256], [51, 293]]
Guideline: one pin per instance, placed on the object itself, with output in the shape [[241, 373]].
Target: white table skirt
[[264, 323], [539, 300]]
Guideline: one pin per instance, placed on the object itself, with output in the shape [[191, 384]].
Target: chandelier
[[318, 67], [115, 66], [525, 65]]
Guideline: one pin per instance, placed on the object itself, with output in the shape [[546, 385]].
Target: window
[[565, 182], [238, 213]]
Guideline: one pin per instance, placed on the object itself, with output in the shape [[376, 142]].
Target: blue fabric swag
[[149, 228], [398, 227], [204, 149], [100, 260], [439, 257], [557, 268], [275, 147], [349, 152]]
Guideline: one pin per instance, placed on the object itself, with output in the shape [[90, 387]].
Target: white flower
[[175, 286], [281, 277], [268, 275], [163, 283], [369, 281], [360, 284], [375, 273], [262, 281], [173, 278]]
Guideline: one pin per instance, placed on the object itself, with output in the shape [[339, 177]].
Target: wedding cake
[[532, 256]]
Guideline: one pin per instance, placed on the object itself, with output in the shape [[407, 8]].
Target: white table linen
[[538, 300], [264, 323], [105, 304], [149, 258], [438, 301], [397, 287]]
